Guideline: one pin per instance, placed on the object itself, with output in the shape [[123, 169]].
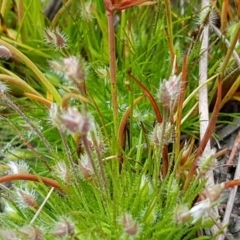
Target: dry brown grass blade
[[234, 149], [180, 105], [237, 3], [207, 136], [40, 99], [150, 98], [123, 127], [224, 16], [234, 183], [212, 122]]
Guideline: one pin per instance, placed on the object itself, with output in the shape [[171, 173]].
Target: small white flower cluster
[[201, 209], [87, 11]]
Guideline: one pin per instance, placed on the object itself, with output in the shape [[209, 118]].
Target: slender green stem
[[169, 29], [60, 12], [67, 148], [228, 45], [161, 145], [28, 144], [88, 152], [42, 205], [231, 48], [34, 128], [100, 162], [20, 19], [3, 4]]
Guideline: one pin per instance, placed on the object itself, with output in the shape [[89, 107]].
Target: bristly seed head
[[181, 214], [17, 167], [86, 11], [31, 233], [99, 143], [63, 228], [74, 69], [56, 67], [208, 16], [103, 73], [76, 122], [61, 170], [5, 53], [8, 235], [26, 198], [54, 114], [206, 161], [130, 226], [3, 88], [213, 193], [169, 92], [162, 136], [55, 38], [86, 168]]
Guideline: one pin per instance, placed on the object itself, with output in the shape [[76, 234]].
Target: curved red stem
[[30, 177]]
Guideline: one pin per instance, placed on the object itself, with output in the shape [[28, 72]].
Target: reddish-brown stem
[[123, 124], [129, 3], [206, 137], [232, 183], [30, 177], [165, 161], [112, 63], [150, 98], [222, 152], [123, 128]]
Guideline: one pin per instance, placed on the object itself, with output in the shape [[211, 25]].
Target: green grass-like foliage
[[124, 178]]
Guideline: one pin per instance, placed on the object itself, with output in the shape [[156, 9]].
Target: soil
[[227, 135]]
